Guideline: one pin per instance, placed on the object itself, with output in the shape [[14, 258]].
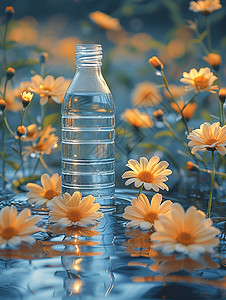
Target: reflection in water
[[105, 260]]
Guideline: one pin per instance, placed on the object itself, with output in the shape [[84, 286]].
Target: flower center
[[201, 82], [74, 214], [50, 194], [185, 238], [8, 232], [211, 141], [146, 176], [151, 217]]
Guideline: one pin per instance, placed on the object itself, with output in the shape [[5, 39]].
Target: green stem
[[45, 165], [192, 98], [3, 152], [43, 112], [211, 188], [140, 190], [3, 50], [222, 114], [7, 125], [24, 112], [208, 32], [202, 45], [209, 171], [173, 99], [42, 69], [21, 157], [35, 167]]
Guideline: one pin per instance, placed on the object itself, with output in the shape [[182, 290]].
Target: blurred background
[[145, 28]]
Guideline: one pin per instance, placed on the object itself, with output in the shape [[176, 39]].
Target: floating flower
[[206, 7], [137, 119], [15, 229], [188, 111], [40, 195], [155, 62], [48, 88], [105, 21], [72, 210], [151, 173], [208, 137], [46, 143], [200, 81], [187, 232], [146, 94], [26, 98], [176, 90], [143, 214], [214, 60]]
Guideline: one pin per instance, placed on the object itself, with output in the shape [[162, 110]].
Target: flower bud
[[26, 98], [158, 114], [190, 166], [9, 12], [2, 104], [21, 130], [214, 60], [10, 73], [156, 63], [222, 95], [43, 57]]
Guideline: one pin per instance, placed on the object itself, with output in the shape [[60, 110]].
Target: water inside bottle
[[88, 146]]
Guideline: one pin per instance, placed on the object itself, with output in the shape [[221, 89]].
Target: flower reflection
[[74, 231]]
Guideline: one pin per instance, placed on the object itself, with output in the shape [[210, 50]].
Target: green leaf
[[3, 155], [50, 119], [17, 183], [13, 164], [163, 133]]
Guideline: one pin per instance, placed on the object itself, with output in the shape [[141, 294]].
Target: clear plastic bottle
[[88, 120]]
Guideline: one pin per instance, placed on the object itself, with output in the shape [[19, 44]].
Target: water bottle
[[88, 120]]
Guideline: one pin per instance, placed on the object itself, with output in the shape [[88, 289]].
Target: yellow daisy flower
[[72, 210], [105, 21], [48, 88], [151, 173], [146, 94], [47, 142], [208, 137], [143, 214], [206, 7], [15, 229], [135, 118], [200, 81], [187, 232], [40, 195], [26, 98]]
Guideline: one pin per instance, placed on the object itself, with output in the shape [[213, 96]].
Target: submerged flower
[[72, 210], [208, 137], [135, 118], [105, 21], [143, 214], [15, 229], [146, 94], [40, 195], [188, 111], [48, 88], [46, 143], [206, 7], [151, 173], [200, 81], [187, 232], [214, 60]]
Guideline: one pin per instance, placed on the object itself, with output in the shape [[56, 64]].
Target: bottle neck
[[89, 56]]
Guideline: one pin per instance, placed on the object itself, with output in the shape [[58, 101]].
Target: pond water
[[107, 261]]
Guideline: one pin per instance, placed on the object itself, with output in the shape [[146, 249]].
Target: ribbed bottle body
[[88, 154]]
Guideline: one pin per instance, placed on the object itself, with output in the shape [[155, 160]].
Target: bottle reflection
[[87, 260]]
